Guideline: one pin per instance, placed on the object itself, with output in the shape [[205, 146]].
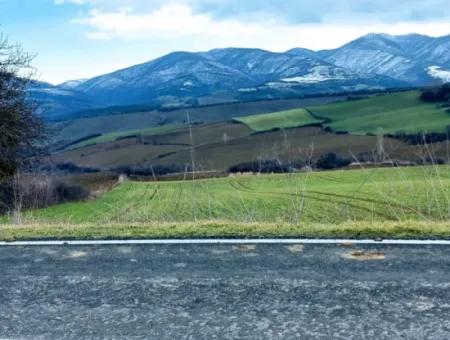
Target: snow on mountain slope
[[179, 72], [436, 51], [263, 66], [184, 74], [373, 54], [248, 60], [439, 73], [404, 57], [54, 101], [71, 84], [318, 74]]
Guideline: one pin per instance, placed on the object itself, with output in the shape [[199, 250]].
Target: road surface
[[225, 292]]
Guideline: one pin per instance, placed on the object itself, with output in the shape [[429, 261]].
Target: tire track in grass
[[351, 197], [127, 208], [243, 189]]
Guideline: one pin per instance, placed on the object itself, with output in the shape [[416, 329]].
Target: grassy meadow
[[389, 113], [384, 202], [279, 120]]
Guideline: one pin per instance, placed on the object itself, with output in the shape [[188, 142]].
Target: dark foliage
[[66, 168], [67, 192], [73, 168], [148, 170], [356, 97], [265, 166], [421, 138], [331, 161], [429, 160], [436, 94]]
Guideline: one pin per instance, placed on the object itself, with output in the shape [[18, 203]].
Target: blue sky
[[76, 39]]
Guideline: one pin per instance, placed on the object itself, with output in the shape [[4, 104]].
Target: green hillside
[[278, 120], [388, 113]]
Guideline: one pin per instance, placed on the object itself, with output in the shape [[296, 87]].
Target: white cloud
[[178, 21], [78, 2], [113, 4], [170, 21]]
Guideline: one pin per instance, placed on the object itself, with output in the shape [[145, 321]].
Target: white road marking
[[223, 241]]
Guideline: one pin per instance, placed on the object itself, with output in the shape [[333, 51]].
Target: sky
[[75, 39]]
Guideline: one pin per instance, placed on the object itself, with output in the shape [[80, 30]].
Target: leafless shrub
[[31, 191]]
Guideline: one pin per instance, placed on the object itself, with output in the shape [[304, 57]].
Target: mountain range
[[374, 61]]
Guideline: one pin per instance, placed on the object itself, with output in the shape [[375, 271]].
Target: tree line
[[438, 94]]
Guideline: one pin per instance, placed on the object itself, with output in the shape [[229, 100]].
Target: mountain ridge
[[373, 61]]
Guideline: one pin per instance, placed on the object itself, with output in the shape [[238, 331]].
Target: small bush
[[331, 161], [6, 197], [67, 192], [428, 96]]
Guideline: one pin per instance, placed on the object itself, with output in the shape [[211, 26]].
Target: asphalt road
[[225, 292]]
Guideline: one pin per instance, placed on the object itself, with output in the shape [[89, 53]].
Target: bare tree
[[380, 153], [21, 131]]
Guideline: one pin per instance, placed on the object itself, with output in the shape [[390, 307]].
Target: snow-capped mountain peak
[[71, 84]]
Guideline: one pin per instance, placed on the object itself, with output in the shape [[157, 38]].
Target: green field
[[282, 134], [390, 113], [214, 152], [110, 137], [400, 202], [65, 132], [279, 120]]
